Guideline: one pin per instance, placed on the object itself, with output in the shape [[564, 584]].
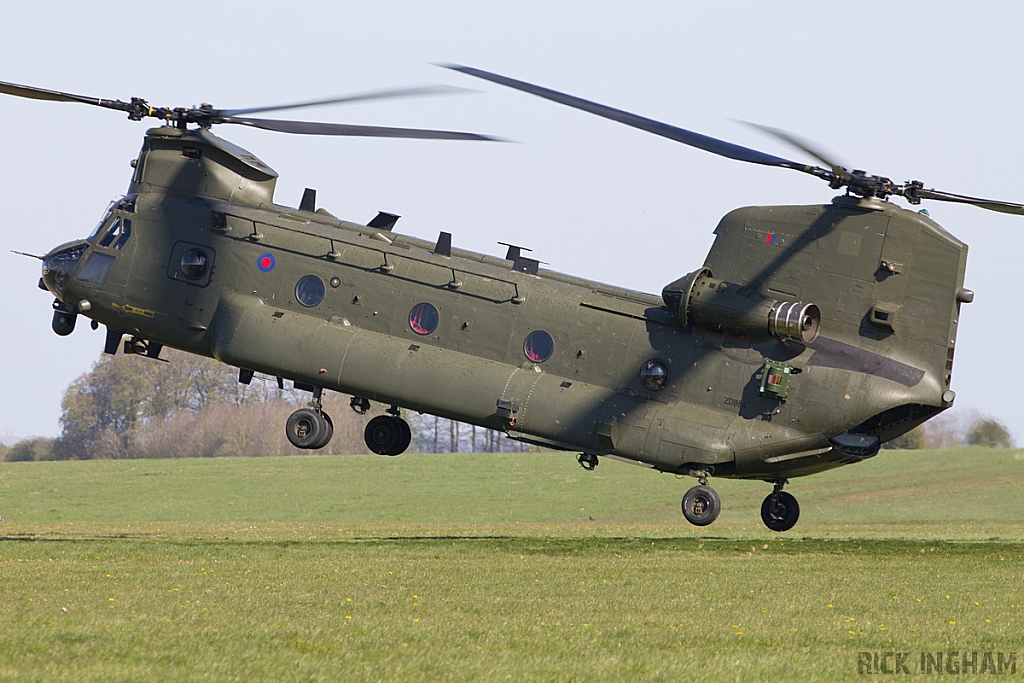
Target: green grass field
[[499, 567]]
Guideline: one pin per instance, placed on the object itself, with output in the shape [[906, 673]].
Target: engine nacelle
[[698, 300]]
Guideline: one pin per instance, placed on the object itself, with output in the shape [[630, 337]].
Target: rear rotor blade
[[352, 130], [358, 97], [856, 182], [803, 146], [704, 142], [990, 204]]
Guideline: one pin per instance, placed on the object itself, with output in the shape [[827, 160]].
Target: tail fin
[[888, 283]]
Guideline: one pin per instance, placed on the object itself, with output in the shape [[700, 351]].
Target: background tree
[[101, 407], [915, 439], [28, 450], [989, 433], [129, 406], [432, 434]]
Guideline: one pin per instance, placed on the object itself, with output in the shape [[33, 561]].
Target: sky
[[918, 90]]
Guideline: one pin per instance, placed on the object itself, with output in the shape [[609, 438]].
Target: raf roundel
[[266, 262]]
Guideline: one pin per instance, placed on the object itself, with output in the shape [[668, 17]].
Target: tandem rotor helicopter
[[809, 336]]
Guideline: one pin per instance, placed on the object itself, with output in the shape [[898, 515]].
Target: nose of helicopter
[[59, 265]]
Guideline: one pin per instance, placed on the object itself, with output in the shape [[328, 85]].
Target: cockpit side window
[[117, 234], [112, 232], [126, 232]]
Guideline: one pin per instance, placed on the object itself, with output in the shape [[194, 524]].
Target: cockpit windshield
[[107, 221]]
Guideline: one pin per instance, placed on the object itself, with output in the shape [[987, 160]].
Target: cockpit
[[110, 235]]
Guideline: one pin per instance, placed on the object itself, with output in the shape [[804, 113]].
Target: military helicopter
[[809, 336]]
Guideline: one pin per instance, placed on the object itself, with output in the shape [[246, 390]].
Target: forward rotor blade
[[358, 97], [352, 130], [34, 93], [990, 204], [704, 142]]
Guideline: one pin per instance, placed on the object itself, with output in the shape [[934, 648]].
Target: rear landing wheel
[[783, 514], [701, 505]]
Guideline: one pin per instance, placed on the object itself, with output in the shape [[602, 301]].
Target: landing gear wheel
[[328, 431], [406, 439], [701, 505], [306, 428], [384, 435], [785, 513]]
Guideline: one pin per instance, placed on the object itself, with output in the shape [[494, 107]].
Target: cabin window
[[423, 318], [310, 291], [654, 375], [539, 346], [194, 264]]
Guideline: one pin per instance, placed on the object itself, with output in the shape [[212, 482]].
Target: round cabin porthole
[[310, 291], [539, 346], [423, 318], [194, 264], [654, 375]]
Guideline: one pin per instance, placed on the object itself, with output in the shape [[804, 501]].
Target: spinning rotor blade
[[360, 97], [856, 182], [56, 96], [913, 191], [802, 145], [704, 142], [352, 130], [990, 204], [206, 116]]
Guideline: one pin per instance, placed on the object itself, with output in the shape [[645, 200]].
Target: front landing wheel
[[306, 428], [701, 505], [783, 515]]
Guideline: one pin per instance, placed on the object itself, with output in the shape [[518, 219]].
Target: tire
[[383, 435], [403, 443], [787, 512], [305, 428], [701, 505], [328, 432]]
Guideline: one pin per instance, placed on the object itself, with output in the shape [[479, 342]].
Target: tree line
[[950, 431], [129, 406]]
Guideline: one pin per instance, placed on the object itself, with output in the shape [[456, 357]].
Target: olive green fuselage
[[888, 283]]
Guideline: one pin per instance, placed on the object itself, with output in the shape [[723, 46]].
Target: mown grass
[[497, 567]]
